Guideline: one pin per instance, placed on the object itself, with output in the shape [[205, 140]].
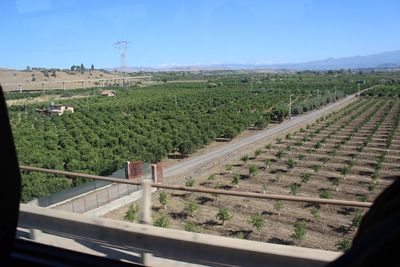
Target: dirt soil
[[32, 80], [40, 99], [332, 223]]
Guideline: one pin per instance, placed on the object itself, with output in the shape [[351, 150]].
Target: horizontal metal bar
[[207, 190]]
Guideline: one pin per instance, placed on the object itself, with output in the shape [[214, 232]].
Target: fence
[[71, 84], [91, 195], [207, 190], [76, 191], [97, 198]]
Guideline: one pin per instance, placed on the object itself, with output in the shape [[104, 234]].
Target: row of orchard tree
[[144, 124]]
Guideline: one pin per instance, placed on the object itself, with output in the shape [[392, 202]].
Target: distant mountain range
[[386, 60], [381, 60]]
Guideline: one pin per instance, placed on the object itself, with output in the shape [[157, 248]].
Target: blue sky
[[56, 33]]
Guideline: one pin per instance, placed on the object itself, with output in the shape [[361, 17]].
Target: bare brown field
[[32, 80]]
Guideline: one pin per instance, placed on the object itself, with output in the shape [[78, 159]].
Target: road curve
[[198, 161]]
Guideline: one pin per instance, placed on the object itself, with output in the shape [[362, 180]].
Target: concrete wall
[[116, 204], [170, 244]]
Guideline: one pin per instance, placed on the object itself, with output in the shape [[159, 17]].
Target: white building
[[108, 93], [59, 109]]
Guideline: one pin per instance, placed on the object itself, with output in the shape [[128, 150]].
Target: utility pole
[[358, 89], [335, 94], [237, 82], [290, 106]]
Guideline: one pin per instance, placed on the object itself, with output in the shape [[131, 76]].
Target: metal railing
[[207, 190]]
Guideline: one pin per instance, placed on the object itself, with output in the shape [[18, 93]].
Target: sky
[[62, 33]]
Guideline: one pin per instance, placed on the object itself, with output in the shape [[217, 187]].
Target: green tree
[[280, 154], [267, 163], [257, 221], [317, 145], [190, 182], [371, 187], [186, 147], [161, 220], [278, 206], [356, 221], [191, 208], [344, 172], [253, 170], [212, 177], [278, 177], [315, 213], [245, 158], [305, 177], [299, 232], [264, 188], [326, 194], [290, 163], [132, 214], [336, 182], [344, 244], [236, 180], [324, 161], [246, 202], [294, 188], [216, 195], [224, 215], [191, 227], [228, 167], [163, 199], [316, 168], [363, 198]]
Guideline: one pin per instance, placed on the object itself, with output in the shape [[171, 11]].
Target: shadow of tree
[[267, 213], [280, 241], [181, 195], [346, 210], [242, 233], [341, 229], [178, 215], [204, 200], [225, 187], [156, 209], [210, 223]]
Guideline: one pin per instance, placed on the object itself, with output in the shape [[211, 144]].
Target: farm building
[[54, 109], [108, 93]]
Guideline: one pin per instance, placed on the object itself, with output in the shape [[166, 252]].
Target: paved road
[[101, 197], [228, 149]]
